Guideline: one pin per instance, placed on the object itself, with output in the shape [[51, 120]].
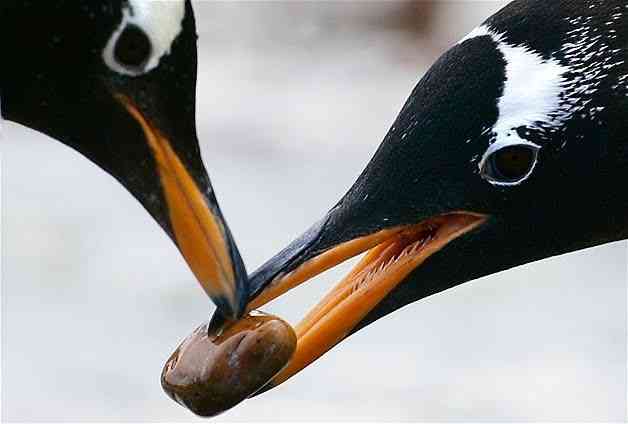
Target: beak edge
[[199, 230]]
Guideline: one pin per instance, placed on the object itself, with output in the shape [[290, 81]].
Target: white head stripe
[[160, 20], [532, 87], [531, 91], [531, 95]]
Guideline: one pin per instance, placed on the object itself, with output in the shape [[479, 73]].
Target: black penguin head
[[513, 147], [116, 81]]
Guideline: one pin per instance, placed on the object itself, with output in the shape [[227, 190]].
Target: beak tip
[[229, 309], [232, 306]]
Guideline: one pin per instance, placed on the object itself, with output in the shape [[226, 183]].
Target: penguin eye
[[509, 164], [132, 48], [129, 50], [144, 36]]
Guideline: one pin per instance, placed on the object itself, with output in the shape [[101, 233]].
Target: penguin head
[[512, 148], [116, 81]]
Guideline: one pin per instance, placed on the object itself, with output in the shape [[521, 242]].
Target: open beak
[[391, 255], [196, 223]]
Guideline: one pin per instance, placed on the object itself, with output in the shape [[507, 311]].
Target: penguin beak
[[391, 255], [195, 222]]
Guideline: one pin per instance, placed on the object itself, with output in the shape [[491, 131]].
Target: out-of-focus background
[[293, 99]]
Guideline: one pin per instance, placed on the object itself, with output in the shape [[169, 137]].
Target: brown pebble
[[209, 374]]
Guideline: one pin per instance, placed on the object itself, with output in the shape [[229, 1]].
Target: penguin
[[115, 80], [512, 148]]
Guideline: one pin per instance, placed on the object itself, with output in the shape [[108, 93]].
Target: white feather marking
[[531, 97], [532, 88], [480, 31], [160, 20], [531, 91], [542, 94]]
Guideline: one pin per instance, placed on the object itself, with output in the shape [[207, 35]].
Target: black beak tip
[[227, 309]]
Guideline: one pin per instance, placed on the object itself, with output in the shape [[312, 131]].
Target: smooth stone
[[210, 373]]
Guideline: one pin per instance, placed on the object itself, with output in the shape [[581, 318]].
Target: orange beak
[[197, 226], [391, 255]]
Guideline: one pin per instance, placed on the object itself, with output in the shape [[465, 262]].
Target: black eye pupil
[[133, 47], [514, 162]]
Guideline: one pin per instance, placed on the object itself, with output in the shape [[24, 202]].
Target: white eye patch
[[145, 34]]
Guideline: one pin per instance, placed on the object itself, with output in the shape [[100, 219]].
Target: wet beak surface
[[198, 228], [392, 254]]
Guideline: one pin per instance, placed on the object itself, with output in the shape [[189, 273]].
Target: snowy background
[[293, 100]]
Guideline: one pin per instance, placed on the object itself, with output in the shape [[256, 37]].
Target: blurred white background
[[293, 100]]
